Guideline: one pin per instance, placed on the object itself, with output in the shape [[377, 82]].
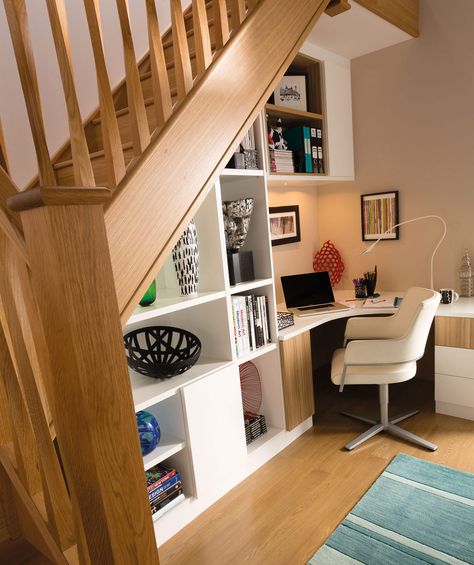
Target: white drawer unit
[[454, 381]]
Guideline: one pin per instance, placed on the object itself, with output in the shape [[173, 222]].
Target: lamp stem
[[370, 248]]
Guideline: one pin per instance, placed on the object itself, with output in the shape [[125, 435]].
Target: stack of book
[[255, 426], [251, 323], [281, 161], [164, 489]]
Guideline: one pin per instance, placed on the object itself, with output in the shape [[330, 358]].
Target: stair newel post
[[93, 408]]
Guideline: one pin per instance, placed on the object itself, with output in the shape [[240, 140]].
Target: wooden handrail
[[220, 108], [3, 150]]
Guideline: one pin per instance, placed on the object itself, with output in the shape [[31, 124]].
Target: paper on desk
[[378, 303]]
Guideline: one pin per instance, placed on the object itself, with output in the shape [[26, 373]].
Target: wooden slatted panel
[[182, 61], [114, 158], [161, 87], [18, 23], [202, 40], [237, 13], [221, 23], [136, 103], [54, 488], [83, 174]]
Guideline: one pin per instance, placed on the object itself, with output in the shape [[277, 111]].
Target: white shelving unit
[[200, 412]]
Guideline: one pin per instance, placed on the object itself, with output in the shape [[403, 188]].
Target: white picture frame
[[291, 92]]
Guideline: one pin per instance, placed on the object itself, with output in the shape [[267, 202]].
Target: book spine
[[171, 504], [166, 493], [249, 331], [307, 150], [234, 326], [169, 483], [161, 504], [236, 301], [252, 322], [257, 321], [267, 317], [243, 323], [264, 319], [163, 479]]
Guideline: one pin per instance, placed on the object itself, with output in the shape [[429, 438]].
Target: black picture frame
[[281, 231], [379, 211]]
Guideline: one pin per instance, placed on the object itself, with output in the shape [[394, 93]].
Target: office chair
[[384, 351]]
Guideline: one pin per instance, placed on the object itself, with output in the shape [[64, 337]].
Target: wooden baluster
[[237, 13], [159, 75], [182, 61], [83, 173], [221, 23], [202, 40], [251, 4], [54, 488], [114, 157], [18, 23], [136, 102], [24, 444], [3, 150]]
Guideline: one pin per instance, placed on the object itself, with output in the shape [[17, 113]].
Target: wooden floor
[[288, 508]]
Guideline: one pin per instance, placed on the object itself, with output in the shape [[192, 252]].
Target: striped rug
[[415, 513]]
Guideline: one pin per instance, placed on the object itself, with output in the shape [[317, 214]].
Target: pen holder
[[370, 284], [359, 287]]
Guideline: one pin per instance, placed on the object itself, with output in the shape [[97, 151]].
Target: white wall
[[12, 107], [413, 130]]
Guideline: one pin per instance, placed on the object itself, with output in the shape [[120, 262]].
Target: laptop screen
[[307, 289]]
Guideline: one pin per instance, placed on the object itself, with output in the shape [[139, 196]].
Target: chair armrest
[[379, 352], [362, 327]]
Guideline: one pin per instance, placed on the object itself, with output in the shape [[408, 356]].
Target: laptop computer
[[309, 294]]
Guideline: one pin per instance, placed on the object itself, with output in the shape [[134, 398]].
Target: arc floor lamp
[[430, 216]]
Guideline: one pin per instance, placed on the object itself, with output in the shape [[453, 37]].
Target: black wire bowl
[[161, 352]]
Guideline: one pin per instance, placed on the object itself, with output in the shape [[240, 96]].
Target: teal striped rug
[[415, 513]]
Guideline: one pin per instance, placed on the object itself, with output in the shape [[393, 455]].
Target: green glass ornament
[[150, 295]]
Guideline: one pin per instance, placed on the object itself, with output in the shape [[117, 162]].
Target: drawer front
[[454, 390], [454, 361]]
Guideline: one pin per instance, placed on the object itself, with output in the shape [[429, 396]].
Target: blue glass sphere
[[148, 430]]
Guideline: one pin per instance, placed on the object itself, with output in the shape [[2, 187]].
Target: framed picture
[[285, 225], [379, 214], [291, 92]]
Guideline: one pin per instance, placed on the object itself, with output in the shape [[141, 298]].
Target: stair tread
[[94, 155]]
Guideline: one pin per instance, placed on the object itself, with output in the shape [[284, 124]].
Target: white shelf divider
[[167, 447], [250, 285], [148, 391], [256, 353], [243, 173]]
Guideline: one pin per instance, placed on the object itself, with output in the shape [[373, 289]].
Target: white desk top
[[463, 308]]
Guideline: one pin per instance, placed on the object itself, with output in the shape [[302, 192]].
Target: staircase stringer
[[174, 175]]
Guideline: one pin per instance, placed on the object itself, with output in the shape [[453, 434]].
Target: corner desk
[[454, 356]]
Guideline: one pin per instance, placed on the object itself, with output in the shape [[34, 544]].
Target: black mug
[[448, 295]]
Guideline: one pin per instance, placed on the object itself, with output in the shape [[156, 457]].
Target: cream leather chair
[[384, 351]]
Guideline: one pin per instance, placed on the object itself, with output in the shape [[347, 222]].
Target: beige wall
[[414, 131], [296, 257]]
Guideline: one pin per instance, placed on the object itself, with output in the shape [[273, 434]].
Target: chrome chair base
[[389, 427]]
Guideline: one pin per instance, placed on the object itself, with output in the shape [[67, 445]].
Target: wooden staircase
[[79, 246]]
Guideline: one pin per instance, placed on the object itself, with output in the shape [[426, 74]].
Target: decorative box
[[255, 427], [285, 319]]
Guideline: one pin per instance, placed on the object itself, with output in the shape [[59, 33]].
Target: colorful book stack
[[251, 323], [307, 145], [281, 161], [164, 489]]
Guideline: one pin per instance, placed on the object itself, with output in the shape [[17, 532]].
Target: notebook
[[309, 294]]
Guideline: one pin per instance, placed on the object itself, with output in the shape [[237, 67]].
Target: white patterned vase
[[186, 261]]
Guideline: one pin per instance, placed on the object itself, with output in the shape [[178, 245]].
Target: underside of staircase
[[80, 245]]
